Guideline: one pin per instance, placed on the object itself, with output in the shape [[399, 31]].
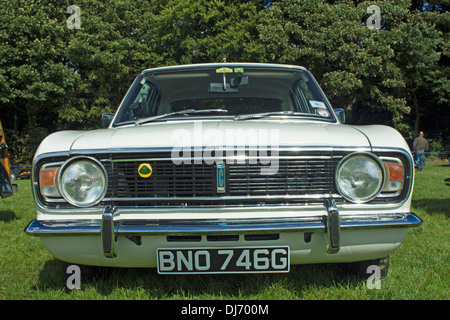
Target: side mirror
[[6, 189], [106, 119], [340, 113]]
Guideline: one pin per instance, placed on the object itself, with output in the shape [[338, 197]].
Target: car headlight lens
[[360, 177], [82, 182]]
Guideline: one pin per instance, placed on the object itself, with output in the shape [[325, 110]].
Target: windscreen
[[223, 92]]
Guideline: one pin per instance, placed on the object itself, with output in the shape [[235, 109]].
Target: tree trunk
[[417, 116]]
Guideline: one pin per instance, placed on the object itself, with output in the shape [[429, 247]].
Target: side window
[[307, 98], [143, 105], [143, 93], [306, 90]]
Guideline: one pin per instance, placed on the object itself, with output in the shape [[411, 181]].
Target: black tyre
[[360, 268]]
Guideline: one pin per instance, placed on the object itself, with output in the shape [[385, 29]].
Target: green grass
[[419, 269]]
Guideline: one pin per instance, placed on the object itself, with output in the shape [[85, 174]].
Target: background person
[[420, 146]]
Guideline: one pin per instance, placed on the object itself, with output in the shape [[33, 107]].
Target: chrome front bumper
[[332, 224]]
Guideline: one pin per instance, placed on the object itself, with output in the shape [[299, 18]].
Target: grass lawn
[[419, 269]]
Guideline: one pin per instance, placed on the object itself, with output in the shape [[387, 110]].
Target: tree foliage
[[54, 78]]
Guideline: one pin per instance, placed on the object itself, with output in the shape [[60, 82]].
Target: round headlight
[[82, 182], [360, 177]]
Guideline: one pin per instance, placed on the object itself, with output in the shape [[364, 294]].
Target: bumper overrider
[[110, 226]]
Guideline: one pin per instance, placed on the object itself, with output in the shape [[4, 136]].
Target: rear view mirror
[[6, 189], [240, 80], [225, 87], [219, 88]]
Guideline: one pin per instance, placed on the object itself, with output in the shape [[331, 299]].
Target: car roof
[[224, 64]]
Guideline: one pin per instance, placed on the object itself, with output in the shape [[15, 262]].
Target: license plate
[[223, 260]]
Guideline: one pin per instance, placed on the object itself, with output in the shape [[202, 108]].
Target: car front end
[[241, 186]]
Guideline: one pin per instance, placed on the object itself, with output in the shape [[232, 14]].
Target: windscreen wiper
[[181, 112], [260, 115]]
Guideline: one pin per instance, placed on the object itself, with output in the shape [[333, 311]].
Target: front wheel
[[361, 268]]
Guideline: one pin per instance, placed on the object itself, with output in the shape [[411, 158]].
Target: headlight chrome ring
[[360, 177], [82, 181]]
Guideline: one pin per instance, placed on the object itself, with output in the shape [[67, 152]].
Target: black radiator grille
[[195, 184], [293, 177], [167, 180]]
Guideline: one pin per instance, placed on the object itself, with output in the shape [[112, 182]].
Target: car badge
[[221, 178], [145, 170]]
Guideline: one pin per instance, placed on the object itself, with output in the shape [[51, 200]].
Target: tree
[[204, 31], [33, 74], [427, 67], [353, 63], [418, 56]]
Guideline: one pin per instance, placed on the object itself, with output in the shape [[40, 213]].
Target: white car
[[224, 168]]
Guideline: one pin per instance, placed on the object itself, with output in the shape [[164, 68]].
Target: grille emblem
[[221, 179], [145, 170]]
